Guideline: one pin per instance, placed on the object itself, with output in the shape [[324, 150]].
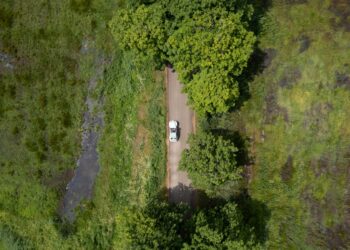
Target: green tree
[[209, 51], [143, 29], [222, 227], [207, 95], [208, 42], [210, 161], [156, 227]]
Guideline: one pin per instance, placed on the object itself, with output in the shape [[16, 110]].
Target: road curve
[[179, 185]]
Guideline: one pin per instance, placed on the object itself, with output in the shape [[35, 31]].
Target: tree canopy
[[208, 43], [221, 227], [156, 226], [163, 226], [210, 161]]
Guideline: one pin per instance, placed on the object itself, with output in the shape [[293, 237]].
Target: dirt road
[[179, 184]]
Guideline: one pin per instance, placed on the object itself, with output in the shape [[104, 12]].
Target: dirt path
[[179, 185]]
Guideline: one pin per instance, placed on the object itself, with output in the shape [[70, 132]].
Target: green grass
[[123, 92], [298, 121], [115, 189], [41, 103], [41, 108]]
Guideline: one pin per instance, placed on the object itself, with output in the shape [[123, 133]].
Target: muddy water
[[80, 188]]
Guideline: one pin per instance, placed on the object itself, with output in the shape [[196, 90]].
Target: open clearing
[[298, 120]]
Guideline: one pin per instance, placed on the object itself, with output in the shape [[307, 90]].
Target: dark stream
[[80, 188]]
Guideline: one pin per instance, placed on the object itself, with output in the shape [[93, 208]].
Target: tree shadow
[[260, 9], [182, 194], [256, 66], [256, 63], [255, 213]]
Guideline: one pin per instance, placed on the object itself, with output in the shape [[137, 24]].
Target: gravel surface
[[179, 185]]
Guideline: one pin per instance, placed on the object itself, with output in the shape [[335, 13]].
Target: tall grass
[[297, 120]]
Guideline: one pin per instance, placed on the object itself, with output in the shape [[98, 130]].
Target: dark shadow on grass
[[255, 213], [260, 9], [257, 61], [256, 65]]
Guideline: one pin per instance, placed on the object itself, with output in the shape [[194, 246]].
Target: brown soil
[[338, 235], [294, 1], [270, 54], [342, 80], [273, 110], [341, 9], [315, 116], [290, 77], [321, 165], [287, 169], [305, 43]]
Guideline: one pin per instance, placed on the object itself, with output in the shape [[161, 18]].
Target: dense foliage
[[163, 226], [210, 161], [208, 43]]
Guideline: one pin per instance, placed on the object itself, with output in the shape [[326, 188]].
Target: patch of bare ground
[[272, 109], [342, 80], [341, 9], [336, 236], [304, 42], [293, 1], [287, 169], [316, 114], [269, 55], [290, 77]]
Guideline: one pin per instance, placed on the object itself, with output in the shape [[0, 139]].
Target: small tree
[[210, 161]]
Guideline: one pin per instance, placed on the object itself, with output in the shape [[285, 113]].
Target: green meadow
[[291, 126], [297, 123], [53, 47]]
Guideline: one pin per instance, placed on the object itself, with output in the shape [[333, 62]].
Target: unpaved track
[[179, 185]]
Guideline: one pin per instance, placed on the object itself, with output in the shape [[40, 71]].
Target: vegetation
[[210, 161], [126, 178], [220, 227], [208, 43], [43, 88], [297, 123]]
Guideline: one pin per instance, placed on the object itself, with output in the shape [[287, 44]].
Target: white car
[[173, 133]]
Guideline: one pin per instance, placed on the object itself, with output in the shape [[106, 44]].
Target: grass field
[[297, 121], [44, 70]]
